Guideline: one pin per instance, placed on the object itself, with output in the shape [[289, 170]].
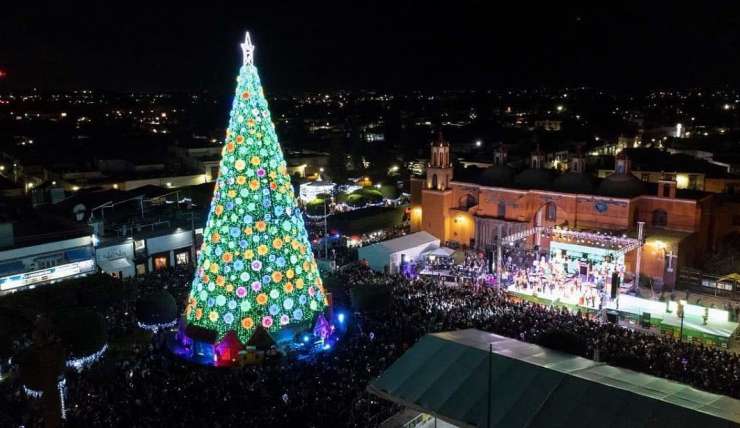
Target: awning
[[114, 265]]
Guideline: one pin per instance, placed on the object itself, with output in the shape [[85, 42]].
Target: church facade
[[470, 213]]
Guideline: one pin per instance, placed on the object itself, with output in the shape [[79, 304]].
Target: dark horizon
[[395, 46]]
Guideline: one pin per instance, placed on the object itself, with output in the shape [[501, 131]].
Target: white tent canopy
[[392, 252], [441, 252]]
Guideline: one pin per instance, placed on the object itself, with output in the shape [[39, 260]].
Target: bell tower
[[439, 169]]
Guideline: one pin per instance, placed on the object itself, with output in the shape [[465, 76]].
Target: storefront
[[170, 249], [45, 263]]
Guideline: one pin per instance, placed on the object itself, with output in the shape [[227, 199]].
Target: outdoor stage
[[717, 331]]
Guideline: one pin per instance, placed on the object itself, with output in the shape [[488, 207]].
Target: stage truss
[[621, 244]]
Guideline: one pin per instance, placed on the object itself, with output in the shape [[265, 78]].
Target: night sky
[[379, 45]]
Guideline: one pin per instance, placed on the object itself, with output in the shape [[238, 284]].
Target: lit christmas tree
[[255, 266]]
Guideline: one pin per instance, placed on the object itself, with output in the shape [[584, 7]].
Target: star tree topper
[[248, 50]]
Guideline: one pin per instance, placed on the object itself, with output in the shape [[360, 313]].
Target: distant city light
[[169, 184], [75, 188], [679, 130], [560, 108], [726, 106], [596, 138], [478, 143]]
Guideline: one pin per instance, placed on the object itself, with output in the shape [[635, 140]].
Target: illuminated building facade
[[472, 213]]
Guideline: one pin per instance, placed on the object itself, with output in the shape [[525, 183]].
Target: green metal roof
[[446, 375]]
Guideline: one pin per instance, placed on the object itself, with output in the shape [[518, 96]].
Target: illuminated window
[[693, 181], [140, 245], [182, 258], [160, 262]]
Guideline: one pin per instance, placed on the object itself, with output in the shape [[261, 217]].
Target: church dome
[[574, 182], [621, 186], [497, 176], [534, 178]]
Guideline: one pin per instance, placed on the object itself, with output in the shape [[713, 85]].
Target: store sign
[[46, 275]]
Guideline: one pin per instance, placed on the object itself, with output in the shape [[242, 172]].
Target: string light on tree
[[256, 266]]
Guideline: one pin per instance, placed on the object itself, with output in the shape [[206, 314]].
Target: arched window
[[660, 218], [501, 209], [434, 181], [551, 212]]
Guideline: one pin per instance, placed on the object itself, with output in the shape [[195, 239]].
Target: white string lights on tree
[[81, 363], [32, 392], [154, 328], [62, 387]]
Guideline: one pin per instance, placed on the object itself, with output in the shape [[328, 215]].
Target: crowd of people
[[146, 386]]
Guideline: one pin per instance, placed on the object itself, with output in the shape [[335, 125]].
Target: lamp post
[[680, 313], [638, 256]]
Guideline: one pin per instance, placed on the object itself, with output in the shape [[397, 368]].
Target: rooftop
[[447, 375]]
